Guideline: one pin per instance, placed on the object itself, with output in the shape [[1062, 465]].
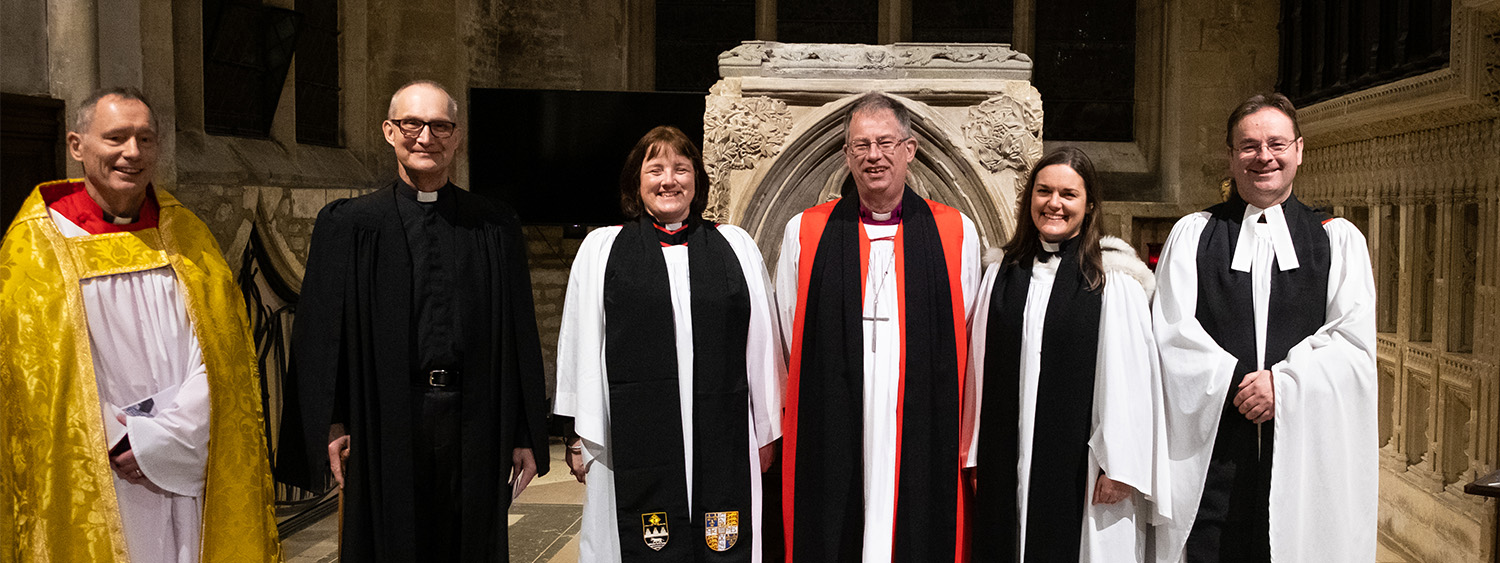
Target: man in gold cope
[[132, 425]]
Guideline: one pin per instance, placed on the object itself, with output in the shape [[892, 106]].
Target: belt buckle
[[437, 378]]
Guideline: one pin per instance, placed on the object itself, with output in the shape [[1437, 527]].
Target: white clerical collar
[[1274, 228], [672, 226], [882, 217], [426, 197], [1051, 246], [119, 220]]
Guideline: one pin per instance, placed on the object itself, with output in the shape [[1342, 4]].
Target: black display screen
[[556, 155]]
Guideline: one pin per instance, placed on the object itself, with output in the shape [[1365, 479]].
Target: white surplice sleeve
[[970, 269], [1129, 439], [786, 280], [765, 362], [979, 319], [581, 388], [1195, 376], [1325, 471], [171, 447]]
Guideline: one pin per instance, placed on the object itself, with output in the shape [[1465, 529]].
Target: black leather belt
[[438, 378]]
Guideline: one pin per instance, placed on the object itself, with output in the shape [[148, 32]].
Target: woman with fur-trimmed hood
[[1069, 456]]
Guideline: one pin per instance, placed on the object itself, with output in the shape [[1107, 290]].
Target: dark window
[[690, 34], [1332, 47], [827, 21], [247, 50], [318, 73], [31, 146], [1085, 69], [961, 21]]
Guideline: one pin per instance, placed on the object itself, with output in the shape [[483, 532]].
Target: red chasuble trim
[[71, 199], [950, 229]]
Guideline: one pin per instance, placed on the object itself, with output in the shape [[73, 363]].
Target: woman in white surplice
[[669, 465], [1069, 455]]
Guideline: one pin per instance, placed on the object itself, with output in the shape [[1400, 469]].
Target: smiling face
[[667, 185], [1059, 201], [880, 175], [1264, 152], [118, 153], [423, 160]]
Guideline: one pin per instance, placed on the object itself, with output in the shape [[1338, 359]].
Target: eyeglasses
[[1276, 146], [885, 145], [412, 128]]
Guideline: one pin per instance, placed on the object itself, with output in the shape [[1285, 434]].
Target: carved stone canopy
[[774, 128], [897, 61]]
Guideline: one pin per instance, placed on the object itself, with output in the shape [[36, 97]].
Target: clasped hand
[[1256, 398]]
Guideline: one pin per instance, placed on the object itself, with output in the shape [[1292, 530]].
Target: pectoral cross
[[874, 340]]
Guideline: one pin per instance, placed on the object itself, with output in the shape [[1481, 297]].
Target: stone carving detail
[[770, 58], [1005, 132], [737, 133], [1491, 63], [805, 55], [951, 55]]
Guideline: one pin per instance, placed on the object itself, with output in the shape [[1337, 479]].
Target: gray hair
[[876, 101], [390, 112], [84, 117]]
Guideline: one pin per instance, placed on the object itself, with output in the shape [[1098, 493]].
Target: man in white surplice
[[1264, 318], [879, 147]]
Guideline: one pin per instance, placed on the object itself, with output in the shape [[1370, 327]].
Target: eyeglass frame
[[429, 125], [853, 149], [1246, 151]]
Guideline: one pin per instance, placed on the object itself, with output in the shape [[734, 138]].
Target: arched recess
[[810, 170]]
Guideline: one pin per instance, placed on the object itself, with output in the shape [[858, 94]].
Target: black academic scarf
[[645, 425], [1064, 415], [1239, 465], [828, 522]]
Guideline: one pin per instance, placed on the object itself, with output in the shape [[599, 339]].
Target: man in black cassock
[[416, 354]]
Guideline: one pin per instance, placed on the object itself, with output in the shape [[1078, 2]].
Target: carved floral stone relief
[[1005, 132], [738, 133]]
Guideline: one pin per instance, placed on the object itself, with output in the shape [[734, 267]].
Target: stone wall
[[23, 35], [558, 45], [551, 258], [565, 44], [1195, 61], [1415, 164]]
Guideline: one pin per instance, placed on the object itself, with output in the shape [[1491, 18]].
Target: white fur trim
[[1118, 256], [992, 255]]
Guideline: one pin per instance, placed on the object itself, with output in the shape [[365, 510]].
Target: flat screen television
[[555, 155]]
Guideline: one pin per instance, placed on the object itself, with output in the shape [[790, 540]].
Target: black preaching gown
[[394, 288]]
